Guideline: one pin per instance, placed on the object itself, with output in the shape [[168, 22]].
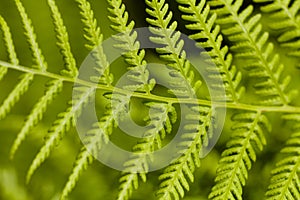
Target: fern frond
[[139, 75], [53, 87], [63, 41], [285, 181], [64, 122], [67, 118], [84, 159], [173, 179], [3, 72], [176, 175], [209, 37], [127, 42], [285, 19], [251, 44], [94, 140], [172, 50], [248, 138], [138, 164], [94, 37], [11, 99], [15, 94], [38, 57], [9, 45]]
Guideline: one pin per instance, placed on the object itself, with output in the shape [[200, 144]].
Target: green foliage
[[209, 37], [284, 19], [260, 93], [285, 177], [239, 154]]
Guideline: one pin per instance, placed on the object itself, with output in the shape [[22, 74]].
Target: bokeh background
[[98, 182]]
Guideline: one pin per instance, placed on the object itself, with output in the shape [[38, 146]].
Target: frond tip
[[232, 172], [84, 159], [285, 181]]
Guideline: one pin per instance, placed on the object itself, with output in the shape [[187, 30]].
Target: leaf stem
[[152, 97]]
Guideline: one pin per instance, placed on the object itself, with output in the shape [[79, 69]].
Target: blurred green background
[[99, 181]]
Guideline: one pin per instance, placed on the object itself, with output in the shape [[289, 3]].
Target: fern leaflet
[[172, 52], [38, 57], [15, 94], [240, 152], [60, 126], [53, 87], [38, 60], [94, 140], [10, 46], [174, 179], [285, 181], [251, 44], [160, 124], [63, 41], [209, 37], [127, 42], [286, 20], [94, 37]]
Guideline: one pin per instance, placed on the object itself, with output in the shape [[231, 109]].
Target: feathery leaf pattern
[[239, 50]]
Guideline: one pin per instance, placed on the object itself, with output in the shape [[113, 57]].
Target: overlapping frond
[[139, 76], [64, 122], [176, 176], [285, 18], [36, 114], [15, 94], [127, 42], [67, 119], [248, 42], [248, 138], [172, 48], [9, 45], [100, 131], [285, 181], [38, 59], [251, 44], [53, 86], [209, 37], [174, 180], [84, 159], [12, 98], [86, 156], [94, 140], [63, 41], [161, 118], [94, 38]]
